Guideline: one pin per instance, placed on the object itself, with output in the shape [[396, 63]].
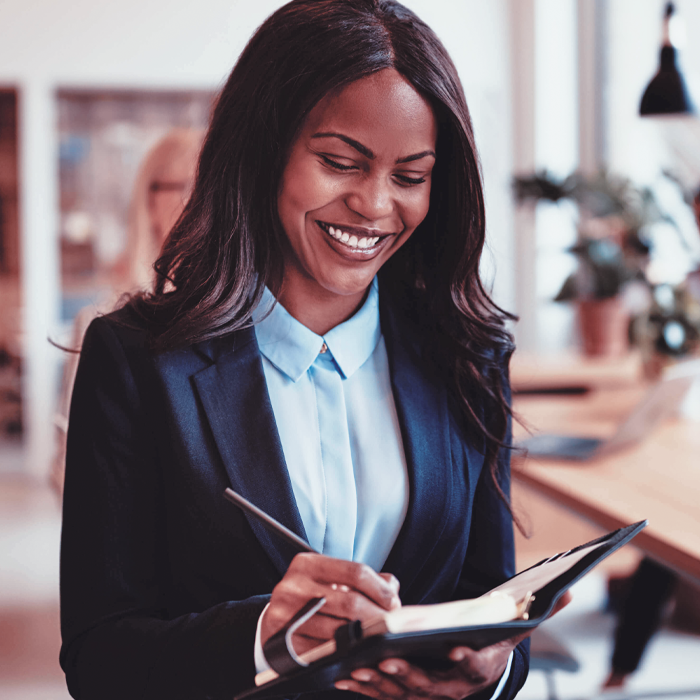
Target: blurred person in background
[[161, 190], [162, 187]]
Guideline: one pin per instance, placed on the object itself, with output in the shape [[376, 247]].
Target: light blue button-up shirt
[[336, 417], [339, 430]]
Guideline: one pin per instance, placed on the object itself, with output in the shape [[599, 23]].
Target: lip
[[349, 252]]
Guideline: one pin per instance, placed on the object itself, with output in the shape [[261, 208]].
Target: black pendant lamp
[[666, 93]]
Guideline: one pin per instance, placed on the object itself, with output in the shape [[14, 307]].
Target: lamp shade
[[667, 92]]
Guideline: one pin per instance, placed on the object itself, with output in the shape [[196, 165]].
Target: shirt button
[[324, 348]]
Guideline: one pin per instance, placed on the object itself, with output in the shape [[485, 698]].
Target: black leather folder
[[429, 648]]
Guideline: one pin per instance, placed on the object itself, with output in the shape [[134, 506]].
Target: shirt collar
[[292, 347]]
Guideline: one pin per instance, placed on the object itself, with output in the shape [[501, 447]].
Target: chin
[[346, 285]]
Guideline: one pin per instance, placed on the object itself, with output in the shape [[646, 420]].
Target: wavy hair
[[227, 244]]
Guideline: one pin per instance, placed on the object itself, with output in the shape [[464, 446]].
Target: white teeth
[[353, 241]]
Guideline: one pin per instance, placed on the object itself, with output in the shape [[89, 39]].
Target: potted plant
[[611, 249], [669, 329]]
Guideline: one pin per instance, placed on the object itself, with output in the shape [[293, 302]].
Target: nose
[[371, 198]]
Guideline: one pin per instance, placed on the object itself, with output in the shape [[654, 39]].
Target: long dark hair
[[226, 246]]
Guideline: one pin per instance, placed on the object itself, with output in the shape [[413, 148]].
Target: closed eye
[[335, 164], [410, 180], [403, 180]]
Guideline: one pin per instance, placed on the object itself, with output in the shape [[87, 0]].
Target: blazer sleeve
[[490, 558], [118, 641]]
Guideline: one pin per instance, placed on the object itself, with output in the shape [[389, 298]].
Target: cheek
[[304, 189], [165, 210], [416, 208]]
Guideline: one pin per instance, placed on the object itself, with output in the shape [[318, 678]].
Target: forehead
[[382, 111]]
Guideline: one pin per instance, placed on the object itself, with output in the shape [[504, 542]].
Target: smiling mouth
[[357, 240]]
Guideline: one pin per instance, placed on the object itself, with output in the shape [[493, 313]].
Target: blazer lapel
[[421, 404], [235, 399]]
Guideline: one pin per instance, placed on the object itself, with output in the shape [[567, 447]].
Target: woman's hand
[[352, 591], [396, 679]]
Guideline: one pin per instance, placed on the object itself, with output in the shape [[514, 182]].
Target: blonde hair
[[173, 158]]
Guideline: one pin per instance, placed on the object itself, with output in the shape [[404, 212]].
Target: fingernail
[[342, 685], [362, 674], [458, 655], [389, 667]]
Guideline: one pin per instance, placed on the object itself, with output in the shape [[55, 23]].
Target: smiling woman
[[320, 341]]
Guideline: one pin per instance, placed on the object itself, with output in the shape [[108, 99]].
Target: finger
[[378, 684], [507, 645], [340, 608], [414, 679], [443, 685], [354, 606], [353, 592], [307, 569], [479, 673], [361, 688], [484, 667], [339, 611], [359, 577], [288, 598], [320, 627], [391, 580], [292, 592]]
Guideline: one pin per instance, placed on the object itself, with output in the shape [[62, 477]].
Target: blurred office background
[[554, 87]]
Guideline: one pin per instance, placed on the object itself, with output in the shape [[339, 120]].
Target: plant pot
[[603, 324]]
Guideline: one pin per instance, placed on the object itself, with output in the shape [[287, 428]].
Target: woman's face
[[356, 185], [169, 191]]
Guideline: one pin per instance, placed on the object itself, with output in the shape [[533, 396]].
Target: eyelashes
[[403, 179], [410, 180], [336, 165]]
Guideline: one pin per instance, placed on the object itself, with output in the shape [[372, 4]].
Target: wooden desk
[[658, 480]]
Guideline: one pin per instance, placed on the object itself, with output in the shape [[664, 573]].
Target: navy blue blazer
[[163, 581]]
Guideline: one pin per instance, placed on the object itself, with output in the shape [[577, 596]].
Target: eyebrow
[[366, 151]]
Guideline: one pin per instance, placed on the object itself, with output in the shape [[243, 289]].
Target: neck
[[319, 311]]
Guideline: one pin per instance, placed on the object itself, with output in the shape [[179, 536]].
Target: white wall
[[636, 144], [545, 114], [477, 36], [129, 43], [48, 44], [557, 151], [642, 147]]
